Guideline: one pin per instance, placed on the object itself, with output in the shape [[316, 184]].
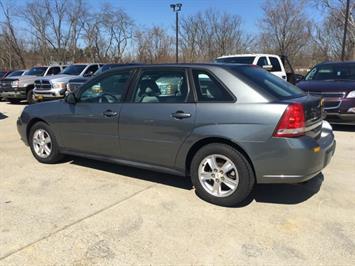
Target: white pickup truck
[[270, 62]]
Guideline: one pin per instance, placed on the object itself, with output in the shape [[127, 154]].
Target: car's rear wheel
[[221, 175], [14, 101], [43, 144]]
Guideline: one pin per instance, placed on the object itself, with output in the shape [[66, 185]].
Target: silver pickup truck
[[53, 87], [16, 89]]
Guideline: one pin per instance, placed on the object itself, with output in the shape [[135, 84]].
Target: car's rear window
[[237, 60], [267, 83]]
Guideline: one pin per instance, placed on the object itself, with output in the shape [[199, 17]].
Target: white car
[[270, 62]]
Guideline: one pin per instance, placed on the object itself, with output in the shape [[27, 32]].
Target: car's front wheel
[[221, 175], [43, 144]]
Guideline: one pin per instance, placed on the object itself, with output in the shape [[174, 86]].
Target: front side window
[[262, 61], [161, 87], [53, 71], [91, 70], [209, 89], [109, 89], [275, 64]]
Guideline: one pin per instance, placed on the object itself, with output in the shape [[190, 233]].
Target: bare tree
[[12, 44], [329, 35], [209, 34], [285, 28], [153, 46]]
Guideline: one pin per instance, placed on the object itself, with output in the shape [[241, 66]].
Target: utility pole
[[345, 29], [176, 8]]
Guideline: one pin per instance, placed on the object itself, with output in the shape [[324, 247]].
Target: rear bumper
[[294, 160]]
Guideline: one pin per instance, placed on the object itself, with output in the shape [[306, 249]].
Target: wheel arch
[[203, 142]]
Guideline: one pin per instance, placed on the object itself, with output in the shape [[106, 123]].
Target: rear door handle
[[180, 115], [109, 113]]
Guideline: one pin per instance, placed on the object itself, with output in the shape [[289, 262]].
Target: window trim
[[139, 74], [234, 98], [93, 81]]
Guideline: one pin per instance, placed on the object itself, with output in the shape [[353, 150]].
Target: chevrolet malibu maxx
[[226, 126]]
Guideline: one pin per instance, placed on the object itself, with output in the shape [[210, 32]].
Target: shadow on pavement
[[266, 193], [161, 178], [288, 193], [345, 128], [3, 116], [19, 103]]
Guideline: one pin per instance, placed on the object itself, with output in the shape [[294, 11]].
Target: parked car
[[335, 82], [74, 84], [54, 87], [20, 88], [270, 62], [227, 126]]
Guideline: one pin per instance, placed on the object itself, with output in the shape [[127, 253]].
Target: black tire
[[55, 155], [14, 101], [29, 96], [245, 172]]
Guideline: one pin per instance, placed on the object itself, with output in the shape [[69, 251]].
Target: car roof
[[337, 63], [244, 55]]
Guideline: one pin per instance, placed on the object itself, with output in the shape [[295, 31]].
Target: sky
[[158, 12]]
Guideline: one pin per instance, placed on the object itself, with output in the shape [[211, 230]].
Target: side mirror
[[267, 67], [70, 98], [62, 92]]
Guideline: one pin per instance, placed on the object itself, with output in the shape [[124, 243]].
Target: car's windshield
[[237, 60], [37, 71], [267, 83], [16, 73], [74, 70], [2, 73], [332, 72]]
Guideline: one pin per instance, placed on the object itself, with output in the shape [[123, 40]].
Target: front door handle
[[180, 115], [109, 113]]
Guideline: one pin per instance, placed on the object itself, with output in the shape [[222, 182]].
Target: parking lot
[[84, 212]]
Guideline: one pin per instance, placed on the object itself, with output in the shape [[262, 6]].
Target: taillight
[[292, 122]]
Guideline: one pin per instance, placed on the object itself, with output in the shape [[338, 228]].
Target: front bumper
[[19, 93], [294, 160], [47, 94], [340, 114]]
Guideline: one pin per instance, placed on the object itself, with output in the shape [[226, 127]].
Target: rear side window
[[159, 86], [275, 64], [209, 89], [267, 83]]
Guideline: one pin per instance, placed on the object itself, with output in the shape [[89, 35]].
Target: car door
[[158, 118], [91, 125]]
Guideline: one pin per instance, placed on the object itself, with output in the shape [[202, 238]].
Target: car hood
[[59, 78], [324, 86]]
